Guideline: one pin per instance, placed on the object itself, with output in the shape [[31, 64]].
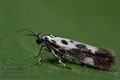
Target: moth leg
[[40, 51], [60, 61], [40, 54]]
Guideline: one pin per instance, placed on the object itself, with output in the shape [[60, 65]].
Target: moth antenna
[[31, 35], [31, 32]]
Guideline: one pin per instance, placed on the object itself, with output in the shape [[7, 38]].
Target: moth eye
[[39, 40]]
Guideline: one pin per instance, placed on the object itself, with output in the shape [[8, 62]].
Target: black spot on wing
[[53, 41], [64, 42], [79, 46], [46, 39], [51, 36], [54, 45], [55, 36]]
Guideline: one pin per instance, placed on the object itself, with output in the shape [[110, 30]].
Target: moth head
[[38, 37]]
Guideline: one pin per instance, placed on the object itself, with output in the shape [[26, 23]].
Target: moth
[[74, 51]]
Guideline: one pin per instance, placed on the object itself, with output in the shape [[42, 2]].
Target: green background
[[96, 22]]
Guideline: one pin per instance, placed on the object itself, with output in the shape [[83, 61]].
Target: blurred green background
[[96, 22]]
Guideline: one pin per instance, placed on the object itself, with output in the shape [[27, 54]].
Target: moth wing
[[102, 58], [80, 52]]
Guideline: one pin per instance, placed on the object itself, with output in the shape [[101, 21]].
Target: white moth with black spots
[[63, 48]]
